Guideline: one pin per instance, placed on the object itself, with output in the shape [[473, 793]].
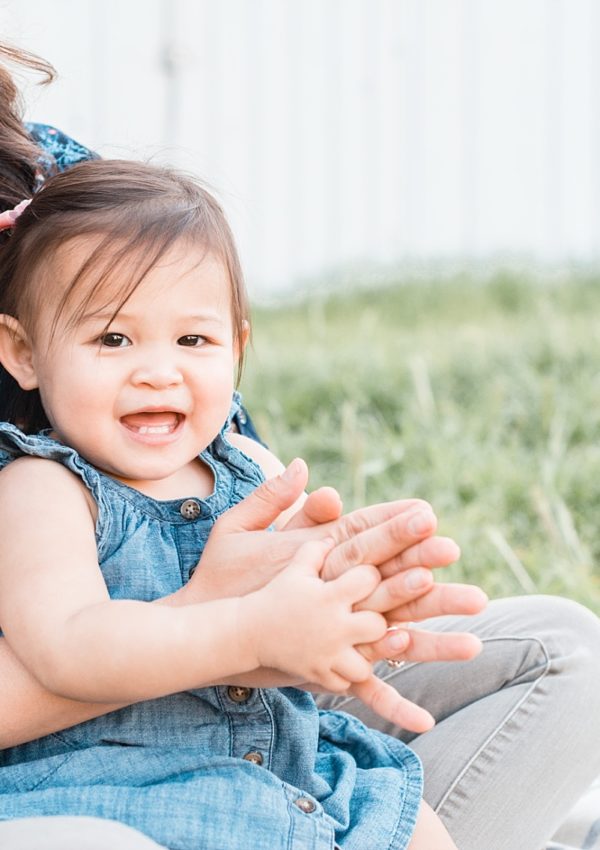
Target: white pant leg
[[71, 833], [517, 738]]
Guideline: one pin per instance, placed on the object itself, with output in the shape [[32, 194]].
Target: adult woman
[[503, 719]]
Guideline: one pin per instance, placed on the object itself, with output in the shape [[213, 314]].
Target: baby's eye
[[113, 340], [192, 340]]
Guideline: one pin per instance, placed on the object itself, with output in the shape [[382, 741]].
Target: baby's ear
[[16, 354]]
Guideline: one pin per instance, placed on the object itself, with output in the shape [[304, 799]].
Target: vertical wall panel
[[345, 133]]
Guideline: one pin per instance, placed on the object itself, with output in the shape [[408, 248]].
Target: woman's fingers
[[441, 599], [421, 645], [320, 506], [432, 552], [413, 595], [262, 507], [363, 540], [385, 701]]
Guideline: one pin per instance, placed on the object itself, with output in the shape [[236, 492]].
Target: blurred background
[[415, 189]]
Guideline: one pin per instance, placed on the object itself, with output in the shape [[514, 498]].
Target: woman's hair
[[19, 155], [134, 214]]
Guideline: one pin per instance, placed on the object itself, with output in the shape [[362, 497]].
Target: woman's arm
[[28, 710]]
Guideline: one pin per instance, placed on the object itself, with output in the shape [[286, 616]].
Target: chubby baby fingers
[[367, 627], [352, 666], [384, 700], [330, 681], [356, 583], [398, 590], [310, 556]]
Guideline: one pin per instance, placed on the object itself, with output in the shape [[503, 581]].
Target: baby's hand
[[306, 627]]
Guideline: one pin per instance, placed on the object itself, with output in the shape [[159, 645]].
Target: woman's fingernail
[[417, 579], [292, 470], [397, 641], [420, 522]]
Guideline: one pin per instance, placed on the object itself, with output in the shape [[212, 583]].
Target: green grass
[[481, 397]]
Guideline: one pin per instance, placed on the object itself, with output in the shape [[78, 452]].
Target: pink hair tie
[[9, 217]]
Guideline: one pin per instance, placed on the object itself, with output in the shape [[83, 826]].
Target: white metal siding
[[343, 132]]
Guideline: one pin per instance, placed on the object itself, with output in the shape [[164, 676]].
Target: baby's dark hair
[[135, 213]]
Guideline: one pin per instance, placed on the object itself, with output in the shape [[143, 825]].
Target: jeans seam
[[507, 717]]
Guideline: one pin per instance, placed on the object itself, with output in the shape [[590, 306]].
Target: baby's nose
[[159, 374]]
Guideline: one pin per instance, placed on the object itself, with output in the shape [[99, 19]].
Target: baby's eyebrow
[[215, 318], [101, 314], [105, 315]]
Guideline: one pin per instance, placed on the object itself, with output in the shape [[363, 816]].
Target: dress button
[[190, 509], [305, 805], [239, 694], [254, 756]]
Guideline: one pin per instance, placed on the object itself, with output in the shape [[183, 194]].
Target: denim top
[[218, 767]]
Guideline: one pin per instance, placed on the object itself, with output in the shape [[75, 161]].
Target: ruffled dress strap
[[222, 450]]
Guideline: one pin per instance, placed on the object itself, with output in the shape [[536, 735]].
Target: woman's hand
[[398, 537], [240, 556], [403, 575]]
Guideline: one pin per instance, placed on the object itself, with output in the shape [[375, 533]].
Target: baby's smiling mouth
[[152, 422]]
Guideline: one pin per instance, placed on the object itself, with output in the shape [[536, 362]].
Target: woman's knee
[[567, 634], [564, 626]]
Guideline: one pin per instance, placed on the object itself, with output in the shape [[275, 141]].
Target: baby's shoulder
[[268, 462], [30, 467], [42, 483]]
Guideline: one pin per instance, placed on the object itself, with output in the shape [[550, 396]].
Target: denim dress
[[218, 768]]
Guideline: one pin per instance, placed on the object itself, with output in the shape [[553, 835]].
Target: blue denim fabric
[[246, 426], [174, 768]]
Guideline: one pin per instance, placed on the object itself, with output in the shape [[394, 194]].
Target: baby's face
[[142, 397]]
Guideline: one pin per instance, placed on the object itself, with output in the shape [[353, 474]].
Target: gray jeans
[[517, 738]]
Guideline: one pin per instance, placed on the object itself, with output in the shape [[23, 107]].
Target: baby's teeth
[[154, 429]]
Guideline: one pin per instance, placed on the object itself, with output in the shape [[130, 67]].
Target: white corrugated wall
[[342, 133]]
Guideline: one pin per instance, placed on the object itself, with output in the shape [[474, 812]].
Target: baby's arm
[[58, 618]]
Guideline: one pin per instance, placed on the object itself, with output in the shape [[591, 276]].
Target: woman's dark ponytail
[[18, 153], [19, 157]]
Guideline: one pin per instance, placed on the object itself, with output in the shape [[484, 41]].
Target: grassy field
[[481, 397]]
